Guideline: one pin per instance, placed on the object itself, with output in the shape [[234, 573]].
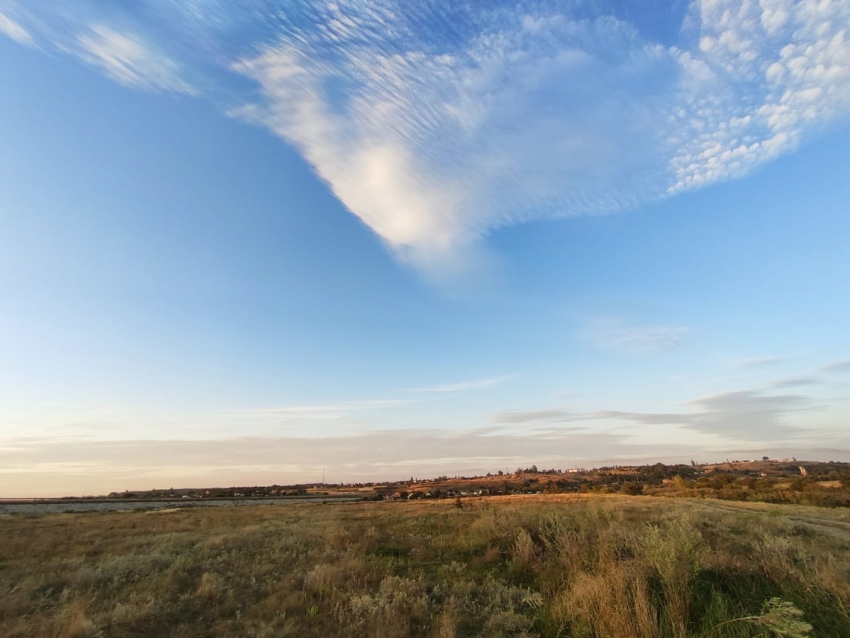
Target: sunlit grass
[[533, 566]]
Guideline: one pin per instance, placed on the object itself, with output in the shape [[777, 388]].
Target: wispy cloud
[[129, 60], [541, 111], [320, 411], [836, 366], [757, 362], [748, 414], [37, 467], [618, 335], [794, 382], [531, 416], [742, 415], [339, 410], [466, 385], [15, 31], [435, 123]]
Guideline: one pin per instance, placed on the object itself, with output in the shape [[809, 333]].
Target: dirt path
[[820, 521]]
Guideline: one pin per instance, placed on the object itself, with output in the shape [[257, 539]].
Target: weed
[[548, 566]]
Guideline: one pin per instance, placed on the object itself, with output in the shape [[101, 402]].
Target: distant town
[[785, 480]]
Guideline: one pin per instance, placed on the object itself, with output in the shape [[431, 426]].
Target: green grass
[[537, 566]]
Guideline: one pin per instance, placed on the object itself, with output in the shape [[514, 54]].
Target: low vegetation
[[825, 484], [548, 565]]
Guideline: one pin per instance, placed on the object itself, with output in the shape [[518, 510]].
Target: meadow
[[537, 565]]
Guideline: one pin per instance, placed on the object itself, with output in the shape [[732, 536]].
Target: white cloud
[[127, 59], [437, 123], [617, 335], [431, 149], [766, 74], [15, 31], [540, 113], [465, 385], [326, 411], [757, 362]]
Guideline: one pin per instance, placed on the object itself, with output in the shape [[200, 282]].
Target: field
[[538, 565]]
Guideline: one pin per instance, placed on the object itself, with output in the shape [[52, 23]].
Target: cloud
[[344, 409], [531, 416], [68, 466], [757, 362], [15, 31], [127, 59], [326, 411], [793, 382], [836, 366], [765, 74], [617, 335], [432, 142], [436, 123], [466, 385], [539, 111], [743, 415], [747, 414], [60, 467]]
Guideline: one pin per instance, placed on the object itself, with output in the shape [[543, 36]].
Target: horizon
[[259, 239], [429, 479]]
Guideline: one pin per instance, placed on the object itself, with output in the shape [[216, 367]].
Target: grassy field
[[545, 565]]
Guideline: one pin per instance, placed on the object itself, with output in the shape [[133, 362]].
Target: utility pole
[[323, 476]]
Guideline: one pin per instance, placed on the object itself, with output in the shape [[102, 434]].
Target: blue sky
[[245, 241]]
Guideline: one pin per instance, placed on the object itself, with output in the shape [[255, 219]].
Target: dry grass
[[544, 566]]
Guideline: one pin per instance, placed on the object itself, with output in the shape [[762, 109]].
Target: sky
[[251, 242]]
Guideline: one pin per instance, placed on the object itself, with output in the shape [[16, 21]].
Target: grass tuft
[[549, 566]]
